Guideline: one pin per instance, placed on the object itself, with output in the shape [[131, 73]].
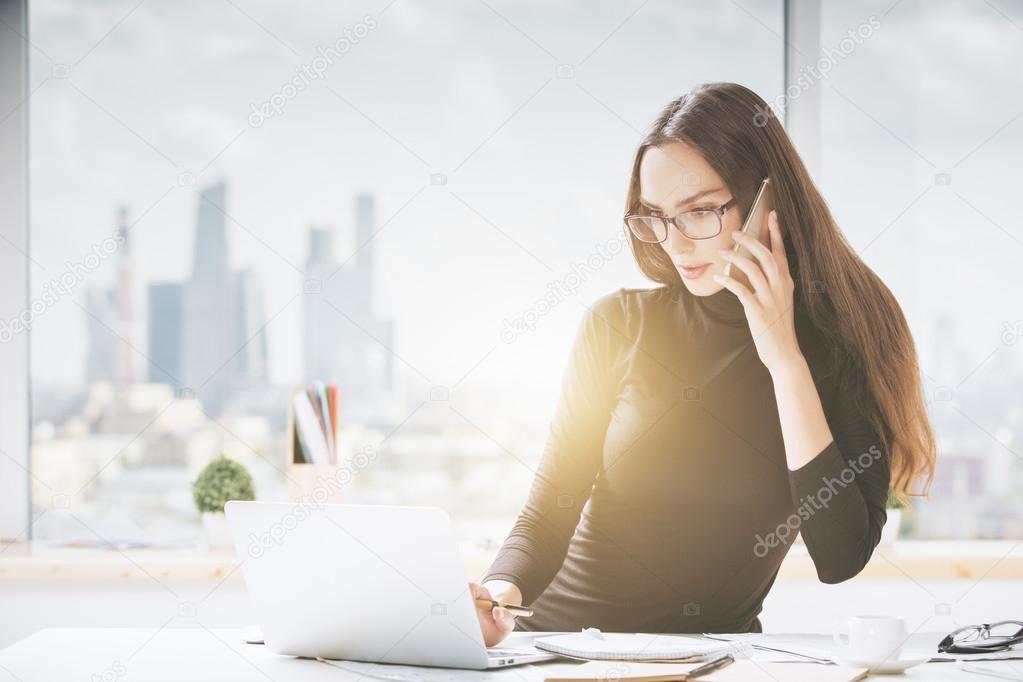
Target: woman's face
[[675, 178]]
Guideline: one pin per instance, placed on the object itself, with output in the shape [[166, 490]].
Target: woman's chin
[[704, 285]]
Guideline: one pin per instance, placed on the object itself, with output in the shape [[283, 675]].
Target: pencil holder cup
[[312, 483]]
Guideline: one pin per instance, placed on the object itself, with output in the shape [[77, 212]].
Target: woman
[[703, 423]]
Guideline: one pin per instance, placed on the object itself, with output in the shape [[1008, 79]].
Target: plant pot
[[218, 534], [890, 532]]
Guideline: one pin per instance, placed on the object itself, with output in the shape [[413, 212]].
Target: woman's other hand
[[495, 622]]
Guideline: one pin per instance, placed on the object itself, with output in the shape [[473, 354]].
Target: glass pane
[[921, 137], [379, 194]]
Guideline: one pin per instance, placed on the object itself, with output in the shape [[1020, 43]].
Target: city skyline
[[209, 328]]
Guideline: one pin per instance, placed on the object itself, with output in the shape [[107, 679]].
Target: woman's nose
[[678, 242]]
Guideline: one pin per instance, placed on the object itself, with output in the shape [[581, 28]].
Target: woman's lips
[[693, 272]]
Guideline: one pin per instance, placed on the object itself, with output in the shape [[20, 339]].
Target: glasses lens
[[647, 228], [1005, 630], [701, 224], [966, 635]]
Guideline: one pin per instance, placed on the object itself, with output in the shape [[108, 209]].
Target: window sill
[[22, 561]]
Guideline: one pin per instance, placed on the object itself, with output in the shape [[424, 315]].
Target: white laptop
[[371, 583]]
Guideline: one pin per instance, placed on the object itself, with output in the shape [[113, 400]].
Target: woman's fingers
[[496, 623], [761, 253], [753, 273], [741, 292], [504, 618]]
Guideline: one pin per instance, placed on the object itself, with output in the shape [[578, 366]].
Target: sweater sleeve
[[841, 494], [538, 542]]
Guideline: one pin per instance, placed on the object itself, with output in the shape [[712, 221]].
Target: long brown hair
[[737, 134]]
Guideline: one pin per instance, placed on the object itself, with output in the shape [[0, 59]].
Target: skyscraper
[[251, 361], [101, 359], [206, 334], [210, 330], [110, 325], [320, 321], [166, 313], [125, 307], [345, 341]]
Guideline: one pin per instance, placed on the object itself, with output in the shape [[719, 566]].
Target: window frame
[[15, 395]]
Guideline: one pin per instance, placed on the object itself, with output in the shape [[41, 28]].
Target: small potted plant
[[222, 480], [890, 532]]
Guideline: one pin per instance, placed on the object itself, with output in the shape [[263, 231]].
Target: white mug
[[874, 638]]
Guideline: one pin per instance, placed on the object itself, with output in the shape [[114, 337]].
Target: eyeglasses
[[983, 638], [699, 223]]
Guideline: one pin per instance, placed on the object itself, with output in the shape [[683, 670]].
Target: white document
[[593, 644]]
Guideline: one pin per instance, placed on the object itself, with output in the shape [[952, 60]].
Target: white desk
[[197, 654]]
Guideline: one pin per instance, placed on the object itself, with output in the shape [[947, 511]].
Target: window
[[231, 199], [920, 132]]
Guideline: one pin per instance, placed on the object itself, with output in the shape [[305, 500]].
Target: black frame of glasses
[[948, 645], [674, 221]]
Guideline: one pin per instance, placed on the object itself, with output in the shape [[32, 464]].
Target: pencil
[[514, 608]]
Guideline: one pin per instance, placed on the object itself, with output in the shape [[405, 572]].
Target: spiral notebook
[[592, 644]]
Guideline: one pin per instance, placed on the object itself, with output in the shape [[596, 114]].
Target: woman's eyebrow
[[686, 200]]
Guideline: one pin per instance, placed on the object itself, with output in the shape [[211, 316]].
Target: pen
[[514, 608], [716, 664]]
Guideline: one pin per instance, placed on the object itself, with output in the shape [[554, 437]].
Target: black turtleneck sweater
[[663, 501]]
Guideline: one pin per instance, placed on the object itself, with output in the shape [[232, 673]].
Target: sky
[[531, 111]]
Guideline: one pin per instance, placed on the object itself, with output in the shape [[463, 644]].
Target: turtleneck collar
[[722, 306]]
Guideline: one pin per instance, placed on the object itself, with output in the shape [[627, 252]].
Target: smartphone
[[756, 226]]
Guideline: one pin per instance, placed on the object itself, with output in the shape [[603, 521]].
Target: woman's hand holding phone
[[768, 299]]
